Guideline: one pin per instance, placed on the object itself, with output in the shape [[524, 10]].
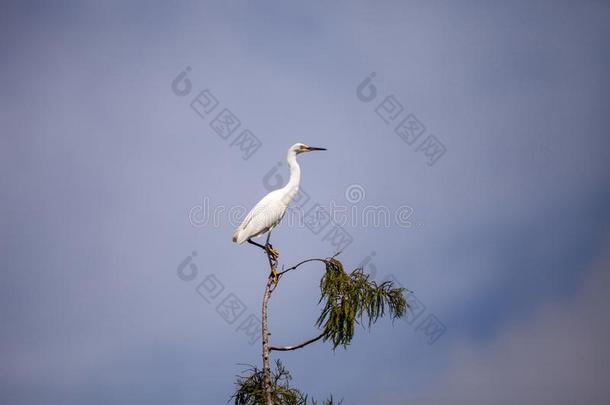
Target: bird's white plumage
[[262, 218], [271, 209]]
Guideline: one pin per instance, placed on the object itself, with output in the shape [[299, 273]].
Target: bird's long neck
[[292, 186]]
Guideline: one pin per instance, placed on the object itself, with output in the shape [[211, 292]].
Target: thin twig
[[303, 262], [294, 347]]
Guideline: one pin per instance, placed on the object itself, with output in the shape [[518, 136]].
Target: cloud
[[560, 354]]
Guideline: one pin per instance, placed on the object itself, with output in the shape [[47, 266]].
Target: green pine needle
[[353, 298], [250, 389]]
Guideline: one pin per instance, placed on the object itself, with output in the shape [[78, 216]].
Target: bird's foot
[[275, 275], [273, 253]]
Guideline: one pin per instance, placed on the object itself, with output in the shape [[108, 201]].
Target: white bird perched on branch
[[271, 209]]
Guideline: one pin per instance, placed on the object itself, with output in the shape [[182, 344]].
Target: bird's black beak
[[312, 148]]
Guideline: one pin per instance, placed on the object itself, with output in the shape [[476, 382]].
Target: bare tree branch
[[295, 347], [303, 262], [272, 283], [269, 287]]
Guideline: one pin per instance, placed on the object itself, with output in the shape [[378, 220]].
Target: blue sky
[[102, 162]]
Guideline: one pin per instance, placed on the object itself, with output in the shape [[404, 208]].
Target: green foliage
[[329, 401], [349, 298], [250, 389]]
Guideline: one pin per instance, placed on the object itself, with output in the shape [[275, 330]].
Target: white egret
[[271, 209]]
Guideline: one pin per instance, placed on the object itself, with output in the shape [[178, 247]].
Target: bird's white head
[[302, 148]]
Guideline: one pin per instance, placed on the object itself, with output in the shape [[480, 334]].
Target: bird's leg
[[275, 275], [273, 256], [270, 250], [257, 244]]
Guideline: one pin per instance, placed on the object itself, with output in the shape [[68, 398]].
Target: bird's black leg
[[269, 247], [257, 244], [273, 254], [267, 241]]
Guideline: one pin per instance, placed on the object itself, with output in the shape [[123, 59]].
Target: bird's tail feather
[[237, 237]]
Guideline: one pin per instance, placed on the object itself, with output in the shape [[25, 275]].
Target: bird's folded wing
[[264, 216]]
